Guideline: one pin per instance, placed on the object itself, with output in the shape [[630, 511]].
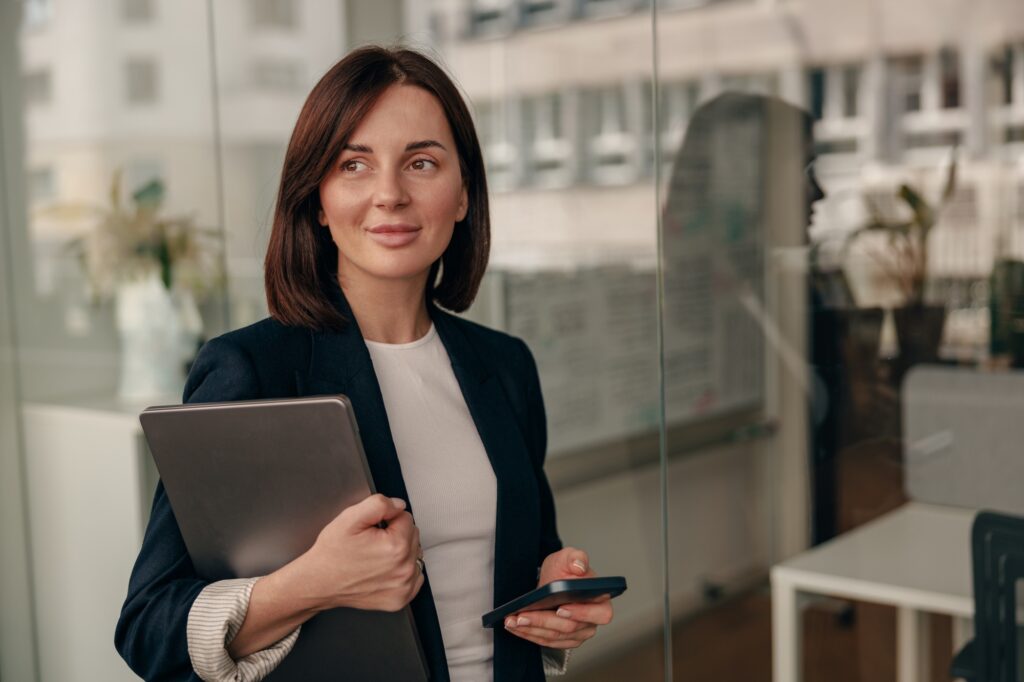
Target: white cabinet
[[89, 481]]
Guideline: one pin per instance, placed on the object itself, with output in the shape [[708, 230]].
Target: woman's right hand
[[359, 564]]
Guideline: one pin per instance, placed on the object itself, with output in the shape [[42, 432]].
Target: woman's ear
[[321, 218]]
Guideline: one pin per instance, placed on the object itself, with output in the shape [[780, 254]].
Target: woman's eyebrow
[[411, 147], [423, 144]]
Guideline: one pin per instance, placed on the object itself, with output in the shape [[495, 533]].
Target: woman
[[382, 217]]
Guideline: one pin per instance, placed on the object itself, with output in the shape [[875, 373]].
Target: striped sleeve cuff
[[215, 618], [556, 661]]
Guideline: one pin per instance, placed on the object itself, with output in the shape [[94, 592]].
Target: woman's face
[[392, 199]]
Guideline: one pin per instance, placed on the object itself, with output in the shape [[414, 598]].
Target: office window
[[539, 12], [611, 123], [759, 83], [138, 11], [37, 13], [1005, 74], [141, 84], [949, 72], [907, 75], [277, 75], [851, 77], [498, 124], [689, 4], [279, 14], [492, 17], [1001, 76], [42, 185], [816, 93], [549, 140], [38, 86], [677, 103], [604, 8]]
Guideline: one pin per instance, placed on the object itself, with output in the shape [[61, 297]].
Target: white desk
[[916, 558]]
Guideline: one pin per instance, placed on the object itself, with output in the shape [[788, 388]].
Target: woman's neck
[[392, 311]]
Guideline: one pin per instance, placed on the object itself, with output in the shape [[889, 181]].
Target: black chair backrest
[[997, 551]]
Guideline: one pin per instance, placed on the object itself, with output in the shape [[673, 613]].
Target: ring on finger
[[420, 566]]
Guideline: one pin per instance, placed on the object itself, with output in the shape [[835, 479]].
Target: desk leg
[[786, 631], [913, 637]]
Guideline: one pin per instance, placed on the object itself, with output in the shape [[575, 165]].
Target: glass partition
[[839, 242], [149, 138]]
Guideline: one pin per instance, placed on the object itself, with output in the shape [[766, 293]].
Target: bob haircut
[[300, 269]]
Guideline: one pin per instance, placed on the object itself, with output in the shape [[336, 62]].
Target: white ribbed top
[[452, 490]]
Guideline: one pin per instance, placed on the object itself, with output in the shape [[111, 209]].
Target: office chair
[[997, 557]]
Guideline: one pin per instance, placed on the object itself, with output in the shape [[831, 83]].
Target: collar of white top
[[426, 338]]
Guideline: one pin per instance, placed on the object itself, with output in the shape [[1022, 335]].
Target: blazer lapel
[[340, 363]]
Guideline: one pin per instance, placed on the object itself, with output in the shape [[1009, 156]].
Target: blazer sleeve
[[537, 441], [151, 631]]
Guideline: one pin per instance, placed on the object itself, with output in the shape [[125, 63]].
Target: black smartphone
[[556, 593]]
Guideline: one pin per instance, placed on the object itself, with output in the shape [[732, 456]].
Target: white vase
[[158, 330]]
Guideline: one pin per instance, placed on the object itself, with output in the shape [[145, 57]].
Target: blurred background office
[[778, 423]]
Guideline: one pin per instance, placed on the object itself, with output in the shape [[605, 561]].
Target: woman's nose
[[389, 191]]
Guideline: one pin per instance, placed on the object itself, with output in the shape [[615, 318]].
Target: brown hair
[[301, 265]]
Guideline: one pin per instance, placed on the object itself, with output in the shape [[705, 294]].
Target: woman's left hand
[[571, 624]]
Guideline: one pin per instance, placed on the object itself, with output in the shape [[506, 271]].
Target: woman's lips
[[394, 235]]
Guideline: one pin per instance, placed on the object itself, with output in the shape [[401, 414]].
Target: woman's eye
[[423, 164], [352, 166]]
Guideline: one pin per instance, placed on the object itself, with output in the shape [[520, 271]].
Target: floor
[[732, 643], [843, 641]]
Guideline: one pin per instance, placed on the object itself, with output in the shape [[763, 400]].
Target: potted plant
[[904, 266], [153, 268]]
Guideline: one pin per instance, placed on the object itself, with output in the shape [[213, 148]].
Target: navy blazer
[[499, 382]]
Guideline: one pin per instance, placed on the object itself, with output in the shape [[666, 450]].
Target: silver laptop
[[251, 484]]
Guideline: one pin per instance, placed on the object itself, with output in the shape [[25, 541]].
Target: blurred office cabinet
[[90, 482]]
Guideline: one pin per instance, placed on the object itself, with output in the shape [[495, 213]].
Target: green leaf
[[950, 187], [150, 195], [923, 214]]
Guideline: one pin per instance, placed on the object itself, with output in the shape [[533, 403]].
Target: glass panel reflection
[[883, 296]]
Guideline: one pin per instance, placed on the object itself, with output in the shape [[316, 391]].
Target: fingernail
[[578, 563], [398, 502], [510, 623], [563, 613], [522, 621]]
